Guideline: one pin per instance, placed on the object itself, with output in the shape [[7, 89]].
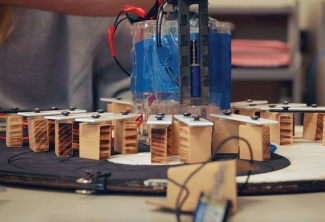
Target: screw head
[[314, 105], [159, 117], [249, 100], [252, 104], [161, 114], [255, 117], [54, 108], [187, 114], [124, 113], [72, 108], [14, 108], [118, 98], [227, 113], [285, 102], [272, 105], [196, 118], [100, 111], [95, 116], [37, 110], [286, 108], [65, 113]]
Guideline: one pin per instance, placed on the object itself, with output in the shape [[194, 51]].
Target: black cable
[[183, 186], [117, 17], [171, 76], [159, 18], [116, 24]]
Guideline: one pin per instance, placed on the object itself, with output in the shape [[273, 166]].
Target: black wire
[[121, 67], [159, 22], [174, 75], [171, 76], [119, 23], [116, 24], [157, 30], [10, 160], [117, 17], [183, 186]]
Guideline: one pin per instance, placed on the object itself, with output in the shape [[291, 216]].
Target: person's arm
[[82, 7]]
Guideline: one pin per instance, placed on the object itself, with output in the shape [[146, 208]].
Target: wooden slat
[[286, 129], [95, 141], [37, 131], [14, 131], [259, 139], [63, 138], [75, 135], [51, 132], [125, 137], [158, 144]]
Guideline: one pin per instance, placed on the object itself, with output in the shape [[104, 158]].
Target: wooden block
[[274, 129], [63, 138], [324, 130], [75, 135], [248, 112], [259, 139], [313, 126], [37, 131], [14, 131], [117, 108], [169, 141], [158, 145], [175, 136], [95, 141], [285, 129], [125, 137], [222, 130], [203, 181], [195, 144], [51, 132]]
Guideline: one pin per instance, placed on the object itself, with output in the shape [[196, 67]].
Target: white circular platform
[[142, 159]]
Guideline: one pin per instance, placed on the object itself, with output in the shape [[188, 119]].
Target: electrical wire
[[116, 24], [169, 71], [179, 202]]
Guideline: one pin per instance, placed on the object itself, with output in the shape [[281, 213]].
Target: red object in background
[[260, 53]]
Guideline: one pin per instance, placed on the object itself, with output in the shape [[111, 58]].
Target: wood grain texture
[[259, 139], [286, 130], [117, 108], [324, 130], [169, 141], [158, 145], [51, 132], [125, 137], [14, 131], [222, 130], [95, 141], [195, 144], [37, 131], [248, 112], [63, 138], [273, 127], [105, 142], [319, 127], [75, 135], [175, 136], [203, 181], [313, 126]]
